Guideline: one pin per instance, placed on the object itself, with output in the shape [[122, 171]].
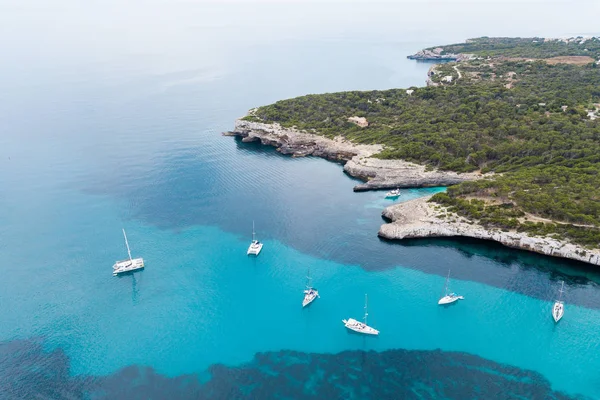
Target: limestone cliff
[[419, 219], [358, 160]]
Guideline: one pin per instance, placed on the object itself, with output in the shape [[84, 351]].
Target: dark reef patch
[[27, 371]]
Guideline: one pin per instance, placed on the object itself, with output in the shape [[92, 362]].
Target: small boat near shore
[[451, 297], [360, 327], [392, 194], [255, 246], [310, 293], [558, 310], [128, 265]]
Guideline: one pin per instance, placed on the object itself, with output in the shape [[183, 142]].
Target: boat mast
[[308, 286], [447, 281], [253, 231], [366, 313], [561, 290], [127, 244]]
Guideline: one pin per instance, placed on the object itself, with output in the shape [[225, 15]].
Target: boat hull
[[254, 249], [558, 310], [124, 266], [359, 327], [309, 297], [449, 299], [392, 194]]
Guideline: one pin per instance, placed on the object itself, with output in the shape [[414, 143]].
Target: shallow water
[[115, 122]]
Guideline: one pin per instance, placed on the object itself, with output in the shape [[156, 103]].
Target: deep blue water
[[111, 116]]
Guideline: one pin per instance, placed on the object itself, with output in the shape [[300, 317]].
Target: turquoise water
[[115, 122]]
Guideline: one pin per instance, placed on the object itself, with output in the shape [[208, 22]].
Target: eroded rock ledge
[[420, 219], [357, 158]]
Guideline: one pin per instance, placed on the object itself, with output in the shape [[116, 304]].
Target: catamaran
[[255, 246], [310, 293], [129, 265], [393, 193], [559, 307], [449, 297], [360, 327]]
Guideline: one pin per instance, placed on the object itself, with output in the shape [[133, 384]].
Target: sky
[[55, 32]]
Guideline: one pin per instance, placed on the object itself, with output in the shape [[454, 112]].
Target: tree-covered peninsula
[[522, 109], [533, 47]]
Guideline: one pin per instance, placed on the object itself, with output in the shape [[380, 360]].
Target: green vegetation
[[556, 192], [528, 122], [506, 216], [464, 127], [525, 47]]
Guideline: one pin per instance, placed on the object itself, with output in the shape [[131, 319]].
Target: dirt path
[[535, 218], [457, 71], [528, 216]]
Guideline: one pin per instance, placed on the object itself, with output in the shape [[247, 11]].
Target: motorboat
[[393, 194]]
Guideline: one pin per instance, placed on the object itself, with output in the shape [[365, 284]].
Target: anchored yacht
[[128, 265], [393, 194], [256, 246], [310, 293], [360, 327], [559, 307], [449, 297]]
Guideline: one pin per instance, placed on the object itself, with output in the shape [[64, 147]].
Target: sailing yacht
[[310, 293], [255, 246], [393, 194], [128, 265], [360, 327], [559, 307], [449, 297]]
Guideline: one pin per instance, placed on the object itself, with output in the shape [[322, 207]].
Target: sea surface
[[111, 116]]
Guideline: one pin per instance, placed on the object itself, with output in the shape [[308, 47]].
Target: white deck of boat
[[128, 265], [360, 327]]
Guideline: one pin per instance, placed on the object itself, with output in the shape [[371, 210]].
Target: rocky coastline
[[436, 55], [433, 55], [413, 219], [420, 219], [358, 159]]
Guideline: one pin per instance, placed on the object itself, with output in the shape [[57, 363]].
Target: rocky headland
[[420, 219], [413, 219], [433, 55], [358, 159], [436, 55]]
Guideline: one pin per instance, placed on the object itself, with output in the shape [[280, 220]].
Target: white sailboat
[[449, 297], [310, 293], [393, 193], [255, 246], [128, 265], [559, 307], [360, 327]]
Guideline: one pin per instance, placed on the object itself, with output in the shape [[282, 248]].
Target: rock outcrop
[[419, 219], [384, 174], [360, 121], [436, 55], [433, 54], [358, 160], [430, 73], [299, 143]]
